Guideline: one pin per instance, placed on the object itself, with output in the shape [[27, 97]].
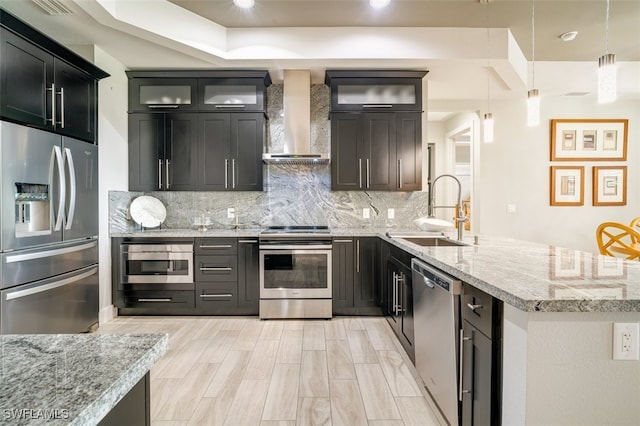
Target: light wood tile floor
[[244, 371]]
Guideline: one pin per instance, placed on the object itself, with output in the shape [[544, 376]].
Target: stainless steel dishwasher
[[436, 306]]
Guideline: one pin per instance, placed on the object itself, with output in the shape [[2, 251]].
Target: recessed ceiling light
[[245, 4], [379, 3], [568, 36]]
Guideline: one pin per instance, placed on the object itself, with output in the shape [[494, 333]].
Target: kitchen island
[[76, 379], [557, 331]]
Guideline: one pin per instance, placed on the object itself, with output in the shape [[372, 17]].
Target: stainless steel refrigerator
[[48, 232]]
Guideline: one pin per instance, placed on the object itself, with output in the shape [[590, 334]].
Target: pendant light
[[607, 70], [533, 96], [487, 125]]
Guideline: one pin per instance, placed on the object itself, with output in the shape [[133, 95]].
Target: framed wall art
[[589, 139], [610, 185], [567, 185]]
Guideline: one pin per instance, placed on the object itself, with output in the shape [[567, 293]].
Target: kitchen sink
[[433, 241]]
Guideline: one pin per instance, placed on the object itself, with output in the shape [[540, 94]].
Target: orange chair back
[[618, 240]]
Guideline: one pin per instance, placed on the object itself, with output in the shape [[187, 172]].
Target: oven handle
[[296, 248], [211, 268]]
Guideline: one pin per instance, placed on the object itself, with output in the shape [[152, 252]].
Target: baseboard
[[106, 314]]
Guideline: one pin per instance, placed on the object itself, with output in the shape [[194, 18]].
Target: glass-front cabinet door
[[375, 90], [229, 94], [162, 94]]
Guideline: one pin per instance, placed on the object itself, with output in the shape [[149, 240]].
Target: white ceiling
[[449, 38]]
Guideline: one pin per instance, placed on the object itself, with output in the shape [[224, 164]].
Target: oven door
[[157, 267], [295, 273]]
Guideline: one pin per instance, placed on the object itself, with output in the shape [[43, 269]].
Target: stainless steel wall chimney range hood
[[297, 123]]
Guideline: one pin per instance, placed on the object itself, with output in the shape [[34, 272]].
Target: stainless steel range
[[295, 272]]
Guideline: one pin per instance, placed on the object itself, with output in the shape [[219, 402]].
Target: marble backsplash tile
[[293, 194]]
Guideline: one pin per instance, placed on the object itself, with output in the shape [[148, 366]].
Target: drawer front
[[214, 246], [216, 268], [158, 299], [478, 309], [222, 293]]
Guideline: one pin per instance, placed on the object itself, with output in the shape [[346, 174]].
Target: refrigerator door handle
[[46, 287], [48, 253], [56, 159], [68, 158]]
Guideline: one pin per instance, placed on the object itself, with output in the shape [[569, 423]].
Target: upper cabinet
[[45, 85], [198, 90], [375, 90], [196, 130], [376, 130]]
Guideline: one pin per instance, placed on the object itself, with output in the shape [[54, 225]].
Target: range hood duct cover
[[297, 122]]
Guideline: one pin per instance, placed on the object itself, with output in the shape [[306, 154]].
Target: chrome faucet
[[461, 219]]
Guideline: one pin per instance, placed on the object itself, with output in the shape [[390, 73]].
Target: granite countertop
[[529, 276], [76, 379]]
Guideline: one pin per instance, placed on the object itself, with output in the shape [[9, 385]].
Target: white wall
[[515, 169], [113, 166]]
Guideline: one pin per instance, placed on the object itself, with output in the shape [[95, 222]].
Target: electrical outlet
[[625, 341], [391, 213], [231, 213], [365, 213]]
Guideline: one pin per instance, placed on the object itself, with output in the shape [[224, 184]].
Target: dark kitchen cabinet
[[45, 85], [376, 129], [376, 151], [223, 152], [398, 297], [248, 276], [367, 90], [163, 151], [230, 151], [355, 277], [481, 358]]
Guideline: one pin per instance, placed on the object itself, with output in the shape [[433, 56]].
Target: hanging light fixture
[[487, 125], [607, 70], [533, 96]]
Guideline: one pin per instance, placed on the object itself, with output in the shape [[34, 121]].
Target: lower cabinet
[[225, 279], [355, 276], [398, 298], [481, 360]]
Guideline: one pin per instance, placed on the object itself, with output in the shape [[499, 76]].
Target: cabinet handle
[[246, 242], [368, 174], [217, 268], [236, 106], [377, 106], [61, 93], [159, 174], [473, 307], [233, 173], [400, 173], [358, 256], [154, 300], [360, 172], [215, 296], [215, 246], [52, 89], [226, 173], [162, 106], [460, 364], [400, 280], [342, 241], [167, 169]]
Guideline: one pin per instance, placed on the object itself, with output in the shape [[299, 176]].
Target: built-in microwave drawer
[[216, 268], [215, 246]]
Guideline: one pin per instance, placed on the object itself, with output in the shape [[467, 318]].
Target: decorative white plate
[[148, 211]]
